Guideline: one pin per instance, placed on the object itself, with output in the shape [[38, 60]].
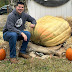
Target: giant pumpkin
[[50, 31]]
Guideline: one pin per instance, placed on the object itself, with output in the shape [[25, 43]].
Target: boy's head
[[20, 7]]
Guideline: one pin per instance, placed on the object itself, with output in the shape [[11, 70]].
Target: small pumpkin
[[2, 54], [69, 54]]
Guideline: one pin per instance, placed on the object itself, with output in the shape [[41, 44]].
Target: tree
[[13, 3]]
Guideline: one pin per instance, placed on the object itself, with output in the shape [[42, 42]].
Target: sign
[[51, 3]]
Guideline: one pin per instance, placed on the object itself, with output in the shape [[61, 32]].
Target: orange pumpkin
[[69, 54], [2, 54]]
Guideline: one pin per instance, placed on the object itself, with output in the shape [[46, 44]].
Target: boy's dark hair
[[20, 3]]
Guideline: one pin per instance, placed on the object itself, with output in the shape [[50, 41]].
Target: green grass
[[37, 65]]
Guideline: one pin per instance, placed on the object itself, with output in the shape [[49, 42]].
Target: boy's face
[[20, 8]]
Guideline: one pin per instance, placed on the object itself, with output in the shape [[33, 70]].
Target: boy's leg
[[25, 43], [22, 52], [11, 37]]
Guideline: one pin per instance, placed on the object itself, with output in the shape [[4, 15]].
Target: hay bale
[[5, 44], [69, 19]]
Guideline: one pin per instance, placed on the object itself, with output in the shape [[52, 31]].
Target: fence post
[[7, 9]]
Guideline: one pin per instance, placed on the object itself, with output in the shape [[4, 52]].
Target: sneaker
[[26, 56]]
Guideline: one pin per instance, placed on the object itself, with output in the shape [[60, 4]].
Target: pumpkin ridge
[[56, 40], [53, 44], [54, 33], [48, 29]]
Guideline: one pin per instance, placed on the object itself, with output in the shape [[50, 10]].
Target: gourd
[[2, 54], [50, 31], [69, 54]]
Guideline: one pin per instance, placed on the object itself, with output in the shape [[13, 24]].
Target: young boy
[[14, 31]]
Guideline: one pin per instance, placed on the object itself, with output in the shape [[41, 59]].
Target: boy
[[14, 31]]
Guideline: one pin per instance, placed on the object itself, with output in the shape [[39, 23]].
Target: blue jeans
[[12, 38]]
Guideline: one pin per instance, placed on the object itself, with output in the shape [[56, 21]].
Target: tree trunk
[[56, 50]]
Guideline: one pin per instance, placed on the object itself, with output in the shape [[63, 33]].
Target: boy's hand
[[24, 36], [32, 25]]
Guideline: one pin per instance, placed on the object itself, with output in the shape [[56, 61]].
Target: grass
[[37, 65]]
